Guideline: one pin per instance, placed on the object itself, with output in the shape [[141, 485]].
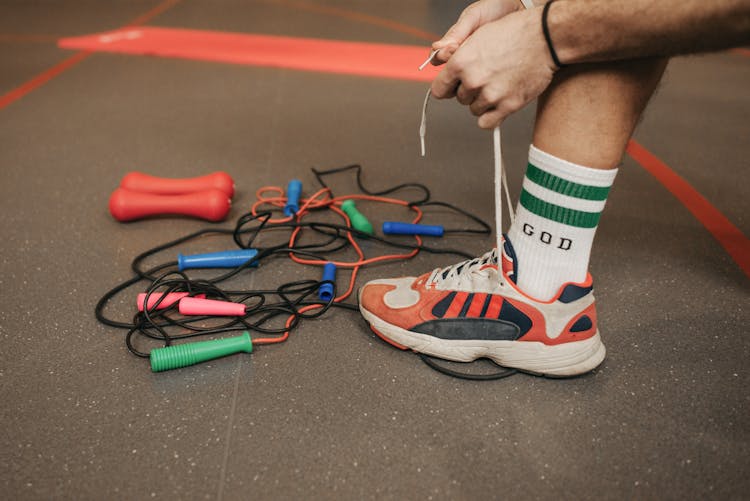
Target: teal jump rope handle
[[359, 221], [183, 355]]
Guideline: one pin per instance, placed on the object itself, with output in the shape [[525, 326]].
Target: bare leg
[[589, 112]]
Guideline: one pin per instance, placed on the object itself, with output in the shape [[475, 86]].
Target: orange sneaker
[[473, 310]]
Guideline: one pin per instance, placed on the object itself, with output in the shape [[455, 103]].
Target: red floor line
[[741, 51], [149, 15], [727, 234], [49, 74], [42, 78], [352, 15], [304, 54]]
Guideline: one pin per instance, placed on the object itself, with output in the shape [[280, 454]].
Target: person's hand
[[473, 16], [500, 68]]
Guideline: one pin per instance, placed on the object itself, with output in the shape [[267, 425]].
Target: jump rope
[[177, 306]]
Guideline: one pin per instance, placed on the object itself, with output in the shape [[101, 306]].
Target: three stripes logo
[[480, 305]]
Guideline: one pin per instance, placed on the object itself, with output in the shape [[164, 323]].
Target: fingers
[[481, 104], [466, 95], [472, 17], [492, 119], [491, 104], [443, 54], [445, 85], [497, 110], [469, 20], [497, 70], [490, 110]]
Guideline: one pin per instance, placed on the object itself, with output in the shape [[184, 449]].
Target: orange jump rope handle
[[138, 181], [127, 205]]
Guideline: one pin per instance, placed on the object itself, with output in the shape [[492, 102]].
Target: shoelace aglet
[[432, 56]]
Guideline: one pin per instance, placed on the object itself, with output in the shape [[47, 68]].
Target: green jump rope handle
[[359, 221], [182, 355]]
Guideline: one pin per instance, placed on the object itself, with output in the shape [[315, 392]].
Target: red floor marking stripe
[[309, 54], [741, 51], [76, 58], [42, 78], [728, 235]]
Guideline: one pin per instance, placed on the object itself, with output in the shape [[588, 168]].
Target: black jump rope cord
[[264, 308]]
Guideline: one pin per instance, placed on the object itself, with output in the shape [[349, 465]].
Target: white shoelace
[[469, 268], [472, 274], [501, 184]]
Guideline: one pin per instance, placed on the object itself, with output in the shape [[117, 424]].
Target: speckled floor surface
[[335, 413]]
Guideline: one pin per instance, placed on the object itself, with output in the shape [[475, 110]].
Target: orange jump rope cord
[[315, 202]]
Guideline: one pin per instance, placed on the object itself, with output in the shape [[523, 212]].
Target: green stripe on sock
[[571, 217], [565, 187]]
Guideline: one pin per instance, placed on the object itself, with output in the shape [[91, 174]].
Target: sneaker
[[473, 310]]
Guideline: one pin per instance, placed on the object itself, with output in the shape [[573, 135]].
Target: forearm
[[605, 30]]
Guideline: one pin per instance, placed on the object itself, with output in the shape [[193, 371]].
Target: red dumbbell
[[138, 181], [128, 205]]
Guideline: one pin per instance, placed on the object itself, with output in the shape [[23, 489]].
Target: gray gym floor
[[335, 412]]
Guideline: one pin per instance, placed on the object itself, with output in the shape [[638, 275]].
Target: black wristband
[[545, 30]]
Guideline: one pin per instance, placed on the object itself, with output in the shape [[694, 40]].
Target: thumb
[[472, 17], [444, 53], [468, 22]]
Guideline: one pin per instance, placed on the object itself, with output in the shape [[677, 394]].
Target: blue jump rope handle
[[293, 192], [223, 259], [396, 228], [325, 293]]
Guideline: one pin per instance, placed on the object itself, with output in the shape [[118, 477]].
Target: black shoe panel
[[465, 329]]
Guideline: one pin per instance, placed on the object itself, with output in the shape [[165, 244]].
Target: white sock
[[556, 220]]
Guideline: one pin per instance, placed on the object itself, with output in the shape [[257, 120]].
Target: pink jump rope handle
[[211, 205], [169, 299], [138, 181], [197, 306]]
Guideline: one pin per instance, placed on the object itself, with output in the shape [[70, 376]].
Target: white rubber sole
[[563, 360]]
